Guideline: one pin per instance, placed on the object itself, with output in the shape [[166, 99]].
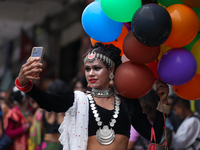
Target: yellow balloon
[[163, 49], [196, 52]]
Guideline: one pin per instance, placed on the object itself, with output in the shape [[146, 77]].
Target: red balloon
[[154, 68], [133, 80], [137, 52]]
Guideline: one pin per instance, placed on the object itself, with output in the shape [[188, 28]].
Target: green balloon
[[170, 2], [120, 10]]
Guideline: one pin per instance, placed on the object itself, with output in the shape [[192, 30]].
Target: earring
[[111, 76], [88, 85]]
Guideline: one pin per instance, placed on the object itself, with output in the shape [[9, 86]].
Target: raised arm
[[51, 102], [59, 102], [140, 121], [28, 71], [142, 124]]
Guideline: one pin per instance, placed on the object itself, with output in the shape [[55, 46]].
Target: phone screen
[[37, 52]]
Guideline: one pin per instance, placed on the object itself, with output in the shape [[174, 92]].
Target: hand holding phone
[[37, 52]]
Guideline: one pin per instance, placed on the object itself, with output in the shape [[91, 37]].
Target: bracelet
[[26, 88], [166, 108]]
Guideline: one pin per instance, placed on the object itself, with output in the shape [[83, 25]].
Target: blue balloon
[[99, 26]]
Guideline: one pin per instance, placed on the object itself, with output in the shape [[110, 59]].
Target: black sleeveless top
[[122, 125], [50, 128], [130, 113]]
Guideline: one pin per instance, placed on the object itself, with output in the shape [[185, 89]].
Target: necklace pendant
[[105, 136]]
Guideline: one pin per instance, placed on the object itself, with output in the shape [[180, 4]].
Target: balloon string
[[165, 128]]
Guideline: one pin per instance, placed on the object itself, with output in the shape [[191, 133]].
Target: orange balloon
[[118, 42], [192, 3], [189, 90], [133, 80], [185, 25]]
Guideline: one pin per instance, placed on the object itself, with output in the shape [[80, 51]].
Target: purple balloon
[[177, 66]]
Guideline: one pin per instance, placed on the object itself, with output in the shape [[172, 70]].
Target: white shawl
[[74, 128]]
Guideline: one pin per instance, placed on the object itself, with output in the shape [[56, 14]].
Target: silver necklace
[[104, 135], [102, 93]]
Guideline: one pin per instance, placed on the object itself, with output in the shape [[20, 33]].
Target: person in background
[[6, 102], [33, 105], [187, 136], [78, 83], [148, 103], [173, 121], [18, 120], [46, 123]]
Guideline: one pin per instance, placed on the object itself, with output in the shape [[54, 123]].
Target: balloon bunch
[[179, 60], [157, 41]]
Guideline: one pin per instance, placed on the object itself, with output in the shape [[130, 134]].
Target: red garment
[[13, 123], [12, 132]]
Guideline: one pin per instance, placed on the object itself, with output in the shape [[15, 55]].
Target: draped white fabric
[[74, 128]]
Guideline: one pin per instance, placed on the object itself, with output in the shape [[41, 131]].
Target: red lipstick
[[92, 80]]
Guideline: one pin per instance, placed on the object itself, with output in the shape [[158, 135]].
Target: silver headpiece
[[92, 55]]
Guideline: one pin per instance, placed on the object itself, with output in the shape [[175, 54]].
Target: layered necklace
[[105, 134]]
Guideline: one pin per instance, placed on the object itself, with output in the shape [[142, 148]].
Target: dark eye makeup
[[97, 68]]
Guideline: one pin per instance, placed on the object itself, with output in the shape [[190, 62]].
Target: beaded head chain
[[92, 55]]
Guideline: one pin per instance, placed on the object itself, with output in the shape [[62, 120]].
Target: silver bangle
[[166, 108]]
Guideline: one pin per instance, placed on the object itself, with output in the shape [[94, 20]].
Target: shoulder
[[79, 95], [196, 114], [80, 98], [191, 121], [196, 117]]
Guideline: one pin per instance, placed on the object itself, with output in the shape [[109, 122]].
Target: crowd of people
[[27, 125], [94, 116]]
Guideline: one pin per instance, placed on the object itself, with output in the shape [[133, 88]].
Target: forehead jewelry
[[92, 55]]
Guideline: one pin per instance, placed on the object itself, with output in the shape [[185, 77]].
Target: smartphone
[[37, 52]]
